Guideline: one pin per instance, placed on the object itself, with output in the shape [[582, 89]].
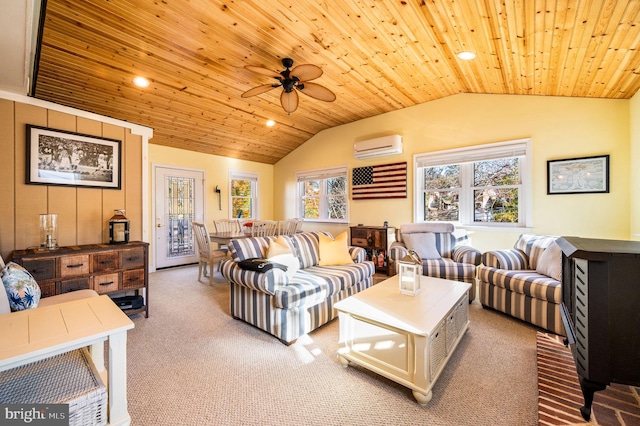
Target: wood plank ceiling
[[377, 56]]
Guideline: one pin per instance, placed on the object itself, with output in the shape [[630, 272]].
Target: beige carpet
[[190, 363]]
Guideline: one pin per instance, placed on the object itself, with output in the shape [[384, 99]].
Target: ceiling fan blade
[[306, 72], [318, 92], [263, 71], [259, 89], [289, 101]]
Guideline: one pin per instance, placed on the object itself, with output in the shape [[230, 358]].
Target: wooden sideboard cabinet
[[113, 269], [376, 240]]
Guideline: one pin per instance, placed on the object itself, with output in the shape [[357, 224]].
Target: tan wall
[[635, 166], [83, 213], [559, 128]]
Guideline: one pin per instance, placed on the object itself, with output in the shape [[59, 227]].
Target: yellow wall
[[216, 170], [635, 166], [83, 213], [559, 128]]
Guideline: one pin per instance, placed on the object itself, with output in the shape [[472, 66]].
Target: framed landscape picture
[[58, 157], [578, 175]]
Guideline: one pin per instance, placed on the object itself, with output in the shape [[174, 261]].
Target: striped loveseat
[[524, 282], [289, 307], [451, 257]]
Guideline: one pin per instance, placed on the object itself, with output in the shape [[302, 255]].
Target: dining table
[[224, 238]]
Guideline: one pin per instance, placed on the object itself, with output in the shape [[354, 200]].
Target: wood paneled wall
[[83, 213]]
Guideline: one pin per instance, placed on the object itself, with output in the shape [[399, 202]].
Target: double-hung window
[[323, 194], [485, 185], [243, 190]]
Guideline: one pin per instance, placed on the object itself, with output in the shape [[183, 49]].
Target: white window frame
[[466, 157], [321, 174], [244, 175]]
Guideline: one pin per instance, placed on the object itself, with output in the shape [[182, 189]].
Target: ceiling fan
[[297, 78]]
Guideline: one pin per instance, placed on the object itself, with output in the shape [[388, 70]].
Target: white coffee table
[[408, 339]]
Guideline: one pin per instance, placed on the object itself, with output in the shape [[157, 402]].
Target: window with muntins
[[486, 185], [322, 195], [243, 191]]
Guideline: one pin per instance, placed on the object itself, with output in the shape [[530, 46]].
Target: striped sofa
[[511, 282], [291, 307], [457, 261]]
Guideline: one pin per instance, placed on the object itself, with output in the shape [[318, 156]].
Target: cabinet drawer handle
[[109, 283], [78, 265], [133, 279], [131, 259], [104, 262]]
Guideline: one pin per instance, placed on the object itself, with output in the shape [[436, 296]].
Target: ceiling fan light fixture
[[466, 56], [141, 81], [270, 123], [291, 81]]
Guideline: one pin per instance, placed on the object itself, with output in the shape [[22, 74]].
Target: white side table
[[40, 333]]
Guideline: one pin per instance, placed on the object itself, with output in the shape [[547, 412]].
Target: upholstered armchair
[[445, 253], [525, 281]]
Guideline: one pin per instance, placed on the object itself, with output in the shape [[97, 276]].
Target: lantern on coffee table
[[409, 272]]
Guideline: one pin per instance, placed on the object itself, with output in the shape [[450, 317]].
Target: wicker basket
[[69, 378]]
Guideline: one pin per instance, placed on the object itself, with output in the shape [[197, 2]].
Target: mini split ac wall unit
[[386, 145]]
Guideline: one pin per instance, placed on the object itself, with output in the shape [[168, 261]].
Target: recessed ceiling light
[[467, 56], [271, 123], [141, 82]]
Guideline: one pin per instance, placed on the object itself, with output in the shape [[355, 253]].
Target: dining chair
[[226, 225], [287, 227], [299, 222], [264, 228], [206, 254]]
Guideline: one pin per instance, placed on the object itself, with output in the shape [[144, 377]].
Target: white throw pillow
[[423, 243], [288, 260], [280, 252], [550, 262]]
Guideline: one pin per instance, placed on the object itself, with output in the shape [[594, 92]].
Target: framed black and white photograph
[[584, 175], [58, 157]]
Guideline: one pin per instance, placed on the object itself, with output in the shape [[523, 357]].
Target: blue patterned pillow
[[22, 289]]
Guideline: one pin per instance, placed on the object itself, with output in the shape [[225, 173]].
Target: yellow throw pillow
[[280, 252], [279, 246], [334, 252]]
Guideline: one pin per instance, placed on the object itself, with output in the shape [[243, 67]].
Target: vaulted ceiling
[[377, 56]]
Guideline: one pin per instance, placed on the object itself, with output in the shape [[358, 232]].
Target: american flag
[[383, 181]]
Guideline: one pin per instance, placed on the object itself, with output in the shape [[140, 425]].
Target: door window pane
[[180, 213]]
